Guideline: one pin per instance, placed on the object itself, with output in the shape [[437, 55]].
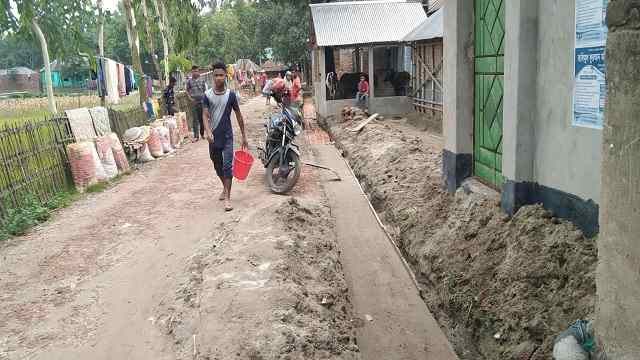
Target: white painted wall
[[567, 158]]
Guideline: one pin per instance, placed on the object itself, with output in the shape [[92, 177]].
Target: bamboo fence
[[34, 158]]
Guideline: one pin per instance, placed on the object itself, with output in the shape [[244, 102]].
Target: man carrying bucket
[[218, 102]]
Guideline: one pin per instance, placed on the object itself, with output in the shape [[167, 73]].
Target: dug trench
[[500, 287]]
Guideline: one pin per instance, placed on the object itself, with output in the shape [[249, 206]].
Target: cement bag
[[154, 144], [81, 162], [174, 134], [165, 139], [103, 146], [118, 153], [181, 118], [143, 154], [101, 175]]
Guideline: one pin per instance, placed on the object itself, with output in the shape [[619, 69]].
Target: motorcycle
[[280, 156]]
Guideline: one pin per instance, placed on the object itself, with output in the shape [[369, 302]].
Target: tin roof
[[365, 22], [18, 70], [431, 28]]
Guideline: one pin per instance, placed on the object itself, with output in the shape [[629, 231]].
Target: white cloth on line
[[111, 75]]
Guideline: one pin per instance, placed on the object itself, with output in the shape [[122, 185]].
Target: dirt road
[[153, 268]]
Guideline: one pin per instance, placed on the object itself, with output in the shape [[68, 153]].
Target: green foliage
[[242, 29], [29, 214], [179, 63]]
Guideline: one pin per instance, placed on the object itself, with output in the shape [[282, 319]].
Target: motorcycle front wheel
[[282, 179]]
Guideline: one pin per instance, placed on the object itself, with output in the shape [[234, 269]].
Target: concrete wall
[[566, 158]]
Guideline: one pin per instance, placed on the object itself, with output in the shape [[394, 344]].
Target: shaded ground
[[501, 288], [155, 269]]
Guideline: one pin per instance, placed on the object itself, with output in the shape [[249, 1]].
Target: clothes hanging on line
[[111, 74], [122, 87], [102, 82], [127, 80], [149, 81]]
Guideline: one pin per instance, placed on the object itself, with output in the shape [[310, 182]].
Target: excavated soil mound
[[502, 287]]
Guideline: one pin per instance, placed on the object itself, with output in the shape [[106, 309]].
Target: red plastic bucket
[[242, 161]]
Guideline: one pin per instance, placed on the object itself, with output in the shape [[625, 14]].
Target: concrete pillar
[[371, 76], [457, 157], [321, 96], [519, 102], [618, 272]]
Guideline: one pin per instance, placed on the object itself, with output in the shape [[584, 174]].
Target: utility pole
[[618, 273]]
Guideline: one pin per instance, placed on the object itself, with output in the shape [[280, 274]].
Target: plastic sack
[[144, 155], [101, 175], [118, 153], [174, 134], [81, 162], [103, 146], [154, 144], [165, 140]]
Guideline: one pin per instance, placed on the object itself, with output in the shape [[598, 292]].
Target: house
[[67, 75], [272, 69], [363, 38], [19, 79], [524, 104]]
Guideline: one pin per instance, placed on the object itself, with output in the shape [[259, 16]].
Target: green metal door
[[489, 78]]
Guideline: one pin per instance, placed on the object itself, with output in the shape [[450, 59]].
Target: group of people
[[212, 107], [289, 86]]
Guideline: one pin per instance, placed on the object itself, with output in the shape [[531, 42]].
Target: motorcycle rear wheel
[[277, 183]]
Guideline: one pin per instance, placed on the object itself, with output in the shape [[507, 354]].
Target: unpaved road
[[153, 268]]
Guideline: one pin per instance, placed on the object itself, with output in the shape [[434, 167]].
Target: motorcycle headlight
[[297, 129]]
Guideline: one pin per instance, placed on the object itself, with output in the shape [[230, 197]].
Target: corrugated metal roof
[[435, 5], [431, 28], [365, 22]]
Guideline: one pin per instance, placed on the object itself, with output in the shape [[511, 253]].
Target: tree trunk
[[134, 45], [100, 28], [101, 37], [47, 65], [165, 41], [618, 273], [152, 47]]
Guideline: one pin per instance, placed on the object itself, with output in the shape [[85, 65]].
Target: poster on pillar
[[590, 89]]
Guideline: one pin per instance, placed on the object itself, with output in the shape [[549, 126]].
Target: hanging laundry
[[122, 87], [127, 80], [102, 83], [134, 78], [111, 74], [149, 81]]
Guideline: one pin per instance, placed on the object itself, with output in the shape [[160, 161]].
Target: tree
[[149, 39], [64, 22], [134, 45], [618, 272], [161, 20]]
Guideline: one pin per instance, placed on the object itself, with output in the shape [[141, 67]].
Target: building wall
[[545, 159], [19, 82], [567, 158]]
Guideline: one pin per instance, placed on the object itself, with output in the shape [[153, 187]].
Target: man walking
[[196, 87], [218, 103]]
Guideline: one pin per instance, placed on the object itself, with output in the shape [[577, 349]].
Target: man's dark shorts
[[222, 157]]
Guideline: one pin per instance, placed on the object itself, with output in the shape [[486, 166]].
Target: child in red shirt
[[362, 97]]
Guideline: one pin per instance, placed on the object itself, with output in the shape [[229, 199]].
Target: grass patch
[[102, 186], [31, 213]]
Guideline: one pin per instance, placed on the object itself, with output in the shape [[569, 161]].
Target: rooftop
[[365, 22]]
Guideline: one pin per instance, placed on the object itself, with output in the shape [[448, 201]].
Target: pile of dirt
[[501, 287], [268, 297]]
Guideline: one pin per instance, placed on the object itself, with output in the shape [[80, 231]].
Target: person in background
[[196, 87], [263, 79], [296, 90], [362, 97], [169, 97], [218, 103], [266, 90]]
